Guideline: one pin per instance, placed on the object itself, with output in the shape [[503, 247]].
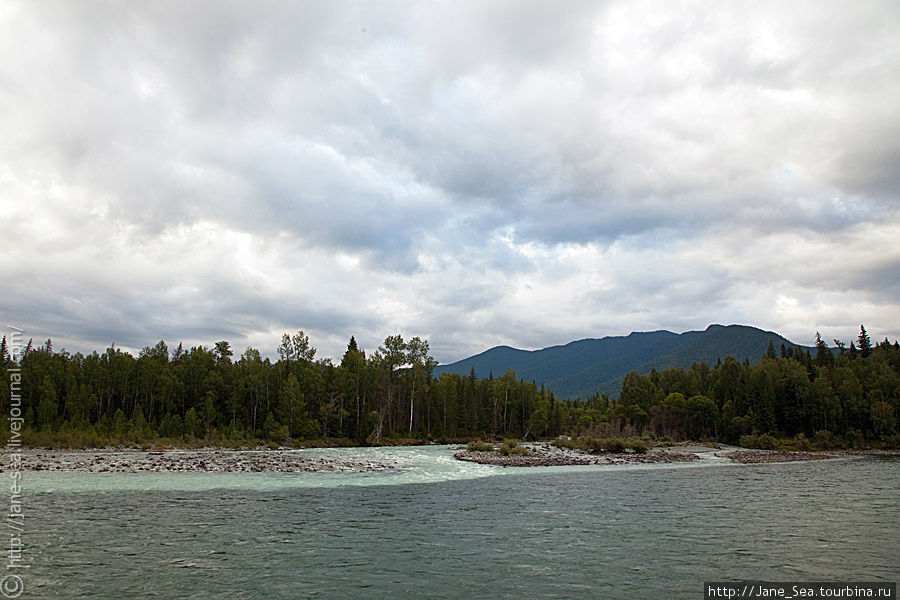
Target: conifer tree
[[824, 357], [865, 344]]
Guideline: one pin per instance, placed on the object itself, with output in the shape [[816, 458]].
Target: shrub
[[506, 448], [608, 444], [614, 445], [765, 442], [637, 445], [562, 442], [825, 440], [798, 443], [762, 441], [855, 439], [479, 446]]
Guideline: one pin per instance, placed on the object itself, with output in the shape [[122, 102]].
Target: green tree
[[703, 416], [119, 423], [727, 386], [159, 352], [252, 387], [140, 429], [296, 348], [421, 366], [209, 411], [672, 415], [763, 399], [271, 426], [865, 344], [390, 356], [192, 425], [824, 357], [223, 352], [47, 407], [292, 411], [637, 390], [883, 418], [354, 362]]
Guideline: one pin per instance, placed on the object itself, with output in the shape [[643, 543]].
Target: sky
[[474, 173]]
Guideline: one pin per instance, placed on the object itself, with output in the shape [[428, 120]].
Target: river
[[435, 527]]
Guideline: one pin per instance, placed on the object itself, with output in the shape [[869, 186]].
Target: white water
[[412, 464]]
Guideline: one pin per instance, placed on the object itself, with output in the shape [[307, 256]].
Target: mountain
[[583, 367]]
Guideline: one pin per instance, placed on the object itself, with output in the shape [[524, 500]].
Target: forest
[[842, 397]]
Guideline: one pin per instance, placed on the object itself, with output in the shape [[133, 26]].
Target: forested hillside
[[598, 366], [205, 395]]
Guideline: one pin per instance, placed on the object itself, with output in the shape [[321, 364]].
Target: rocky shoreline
[[778, 456], [184, 461], [292, 461], [545, 455], [773, 456]]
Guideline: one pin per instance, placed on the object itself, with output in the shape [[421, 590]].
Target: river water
[[435, 527]]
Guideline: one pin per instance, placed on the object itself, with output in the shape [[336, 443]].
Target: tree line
[[206, 395], [850, 397]]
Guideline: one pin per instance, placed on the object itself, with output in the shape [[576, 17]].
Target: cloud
[[500, 172]]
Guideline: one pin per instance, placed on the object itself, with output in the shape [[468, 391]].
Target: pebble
[[233, 461], [774, 456], [550, 456]]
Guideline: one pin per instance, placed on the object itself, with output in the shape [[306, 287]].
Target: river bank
[[205, 461], [751, 456], [211, 460], [298, 461], [549, 456], [774, 456]]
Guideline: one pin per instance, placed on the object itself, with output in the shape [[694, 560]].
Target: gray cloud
[[500, 172]]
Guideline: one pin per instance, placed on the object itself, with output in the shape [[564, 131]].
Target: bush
[[507, 448], [763, 441], [856, 439], [611, 444], [801, 442], [563, 442], [637, 445], [614, 445], [825, 440], [479, 446]]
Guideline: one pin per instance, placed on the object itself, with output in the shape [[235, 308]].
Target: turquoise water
[[440, 528]]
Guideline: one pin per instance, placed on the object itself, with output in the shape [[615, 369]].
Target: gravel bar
[[545, 455], [206, 461]]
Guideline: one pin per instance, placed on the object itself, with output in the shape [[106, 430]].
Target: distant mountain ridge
[[583, 367]]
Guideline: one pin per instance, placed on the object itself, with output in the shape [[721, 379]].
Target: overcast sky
[[472, 172]]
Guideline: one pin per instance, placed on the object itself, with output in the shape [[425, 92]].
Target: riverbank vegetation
[[602, 445], [204, 396]]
